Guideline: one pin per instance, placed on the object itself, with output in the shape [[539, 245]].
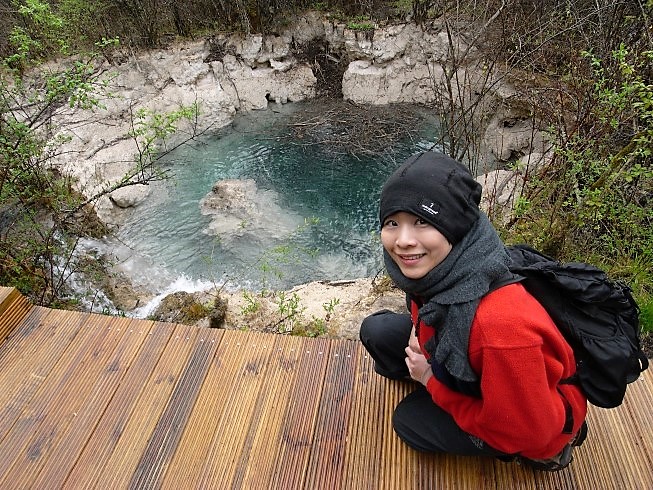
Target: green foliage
[[40, 35], [42, 216], [151, 130], [403, 5], [646, 314], [194, 311], [315, 328], [252, 304], [290, 310], [39, 211], [271, 261], [593, 203], [77, 24], [83, 21], [421, 9], [283, 312], [360, 24], [330, 307]]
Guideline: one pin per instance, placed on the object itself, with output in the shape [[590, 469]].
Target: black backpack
[[598, 317]]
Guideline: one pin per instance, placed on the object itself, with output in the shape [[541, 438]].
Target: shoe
[[580, 436], [563, 458], [559, 462]]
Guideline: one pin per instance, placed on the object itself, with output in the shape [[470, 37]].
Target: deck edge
[[13, 309]]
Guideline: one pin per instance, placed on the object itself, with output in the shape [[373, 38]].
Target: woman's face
[[414, 245]]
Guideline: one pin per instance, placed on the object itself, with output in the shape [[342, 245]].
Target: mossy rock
[[180, 307]]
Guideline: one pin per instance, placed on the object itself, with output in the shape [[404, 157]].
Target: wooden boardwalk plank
[[103, 440], [260, 462], [28, 356], [186, 467], [35, 413], [90, 401], [299, 422], [42, 425], [328, 448], [252, 357], [167, 432], [128, 336], [367, 416], [155, 393]]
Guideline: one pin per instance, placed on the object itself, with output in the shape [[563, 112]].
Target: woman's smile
[[411, 258]]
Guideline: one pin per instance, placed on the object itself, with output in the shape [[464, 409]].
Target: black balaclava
[[436, 188]]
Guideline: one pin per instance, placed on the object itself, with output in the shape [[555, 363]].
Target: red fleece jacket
[[520, 357]]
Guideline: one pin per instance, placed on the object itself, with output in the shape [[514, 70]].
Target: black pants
[[417, 420]]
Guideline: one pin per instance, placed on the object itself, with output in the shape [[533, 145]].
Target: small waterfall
[[180, 284]]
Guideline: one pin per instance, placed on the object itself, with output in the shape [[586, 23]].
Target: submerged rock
[[240, 210]]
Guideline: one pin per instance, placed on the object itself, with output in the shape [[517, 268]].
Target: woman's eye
[[420, 221], [390, 222]]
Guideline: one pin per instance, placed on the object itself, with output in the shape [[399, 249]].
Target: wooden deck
[[91, 401]]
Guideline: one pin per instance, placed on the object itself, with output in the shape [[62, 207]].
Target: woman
[[486, 353]]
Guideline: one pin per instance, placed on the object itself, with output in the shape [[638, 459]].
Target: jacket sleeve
[[520, 357], [519, 412]]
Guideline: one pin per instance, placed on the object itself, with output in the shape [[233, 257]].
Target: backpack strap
[[504, 280], [643, 361]]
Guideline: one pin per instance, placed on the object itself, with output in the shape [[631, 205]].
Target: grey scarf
[[451, 292]]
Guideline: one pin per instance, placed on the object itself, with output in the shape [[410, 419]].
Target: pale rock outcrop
[[157, 81], [534, 160], [406, 64], [241, 211], [508, 135], [396, 82], [352, 301], [388, 43], [502, 187], [392, 64], [253, 88], [500, 191], [128, 197]]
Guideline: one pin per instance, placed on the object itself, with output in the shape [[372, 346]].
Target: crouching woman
[[488, 357]]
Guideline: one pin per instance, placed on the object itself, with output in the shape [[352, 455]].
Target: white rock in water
[[242, 211]]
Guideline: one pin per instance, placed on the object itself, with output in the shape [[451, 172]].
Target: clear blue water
[[319, 219]]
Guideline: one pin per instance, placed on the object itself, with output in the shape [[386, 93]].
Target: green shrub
[[594, 201]]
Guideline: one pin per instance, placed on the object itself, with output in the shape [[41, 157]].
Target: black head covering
[[436, 188]]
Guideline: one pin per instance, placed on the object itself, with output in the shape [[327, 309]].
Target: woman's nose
[[405, 237]]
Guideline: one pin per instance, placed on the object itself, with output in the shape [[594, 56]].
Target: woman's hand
[[413, 343], [418, 366]]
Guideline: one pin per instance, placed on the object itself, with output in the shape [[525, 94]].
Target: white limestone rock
[[240, 211]]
